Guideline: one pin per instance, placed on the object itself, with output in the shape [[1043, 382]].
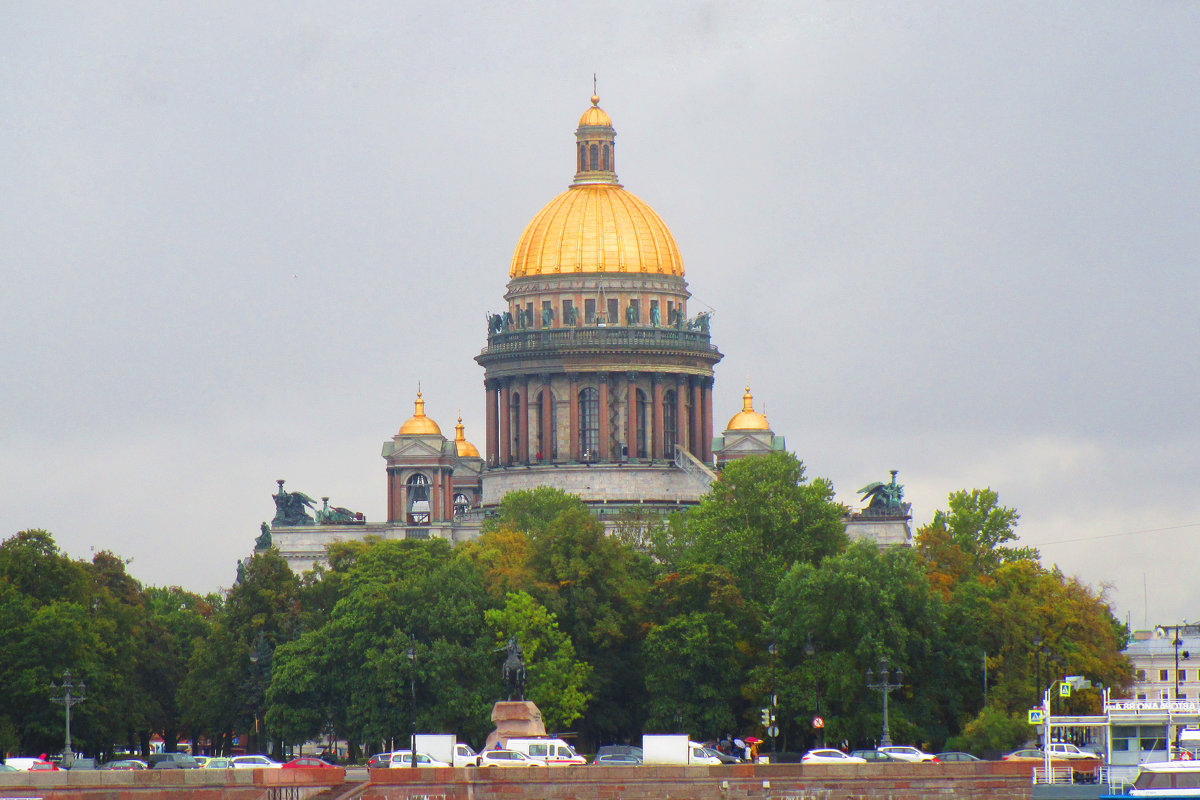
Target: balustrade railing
[[516, 341]]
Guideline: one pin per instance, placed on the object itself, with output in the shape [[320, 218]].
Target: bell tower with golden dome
[[594, 361]]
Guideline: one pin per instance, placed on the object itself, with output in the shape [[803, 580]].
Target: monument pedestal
[[514, 718]]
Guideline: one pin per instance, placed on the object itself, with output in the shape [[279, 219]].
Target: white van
[[555, 752]]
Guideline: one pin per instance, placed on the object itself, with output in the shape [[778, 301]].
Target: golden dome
[[465, 448], [596, 227], [419, 424], [747, 419], [595, 115]]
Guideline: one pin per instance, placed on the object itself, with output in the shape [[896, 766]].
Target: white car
[[906, 753], [1067, 750], [830, 756], [507, 758], [403, 758], [254, 762]]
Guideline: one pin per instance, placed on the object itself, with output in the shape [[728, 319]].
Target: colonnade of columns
[[511, 439]]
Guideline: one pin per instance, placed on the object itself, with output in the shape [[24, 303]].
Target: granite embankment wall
[[986, 780], [171, 784]]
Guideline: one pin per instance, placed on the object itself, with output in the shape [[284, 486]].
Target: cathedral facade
[[598, 381]]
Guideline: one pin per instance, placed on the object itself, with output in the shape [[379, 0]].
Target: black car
[[622, 749], [618, 760]]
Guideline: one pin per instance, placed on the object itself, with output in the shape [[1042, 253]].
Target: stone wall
[[985, 780], [170, 784]]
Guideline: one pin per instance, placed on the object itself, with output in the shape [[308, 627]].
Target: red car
[[308, 762], [43, 766]]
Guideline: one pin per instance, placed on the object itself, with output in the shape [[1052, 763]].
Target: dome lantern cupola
[[419, 424], [595, 149], [748, 419], [464, 448]]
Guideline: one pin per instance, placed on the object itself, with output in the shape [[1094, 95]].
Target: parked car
[[625, 749], [403, 758], [724, 758], [906, 753], [308, 762], [1068, 751], [1028, 754], [379, 761], [83, 763], [219, 763], [553, 751], [254, 762], [507, 758], [829, 756], [957, 755], [25, 764], [7, 768], [126, 763], [875, 757], [172, 761], [617, 760], [202, 760]]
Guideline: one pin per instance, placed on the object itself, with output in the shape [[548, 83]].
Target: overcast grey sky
[[955, 239]]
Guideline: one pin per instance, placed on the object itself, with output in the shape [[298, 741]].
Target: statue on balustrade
[[654, 315], [547, 316], [291, 508]]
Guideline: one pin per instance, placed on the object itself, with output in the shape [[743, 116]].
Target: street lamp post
[[884, 686], [72, 694], [809, 651], [412, 709], [773, 730]]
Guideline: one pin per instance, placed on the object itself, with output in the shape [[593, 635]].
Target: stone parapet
[[172, 784], [985, 780]]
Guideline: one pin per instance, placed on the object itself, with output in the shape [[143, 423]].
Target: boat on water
[[1165, 780]]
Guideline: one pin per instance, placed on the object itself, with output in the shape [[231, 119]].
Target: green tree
[[556, 680], [760, 517], [973, 536], [692, 674], [854, 608], [595, 586]]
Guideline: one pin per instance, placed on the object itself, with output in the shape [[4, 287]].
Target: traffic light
[[766, 717]]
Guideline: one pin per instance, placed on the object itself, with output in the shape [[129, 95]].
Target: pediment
[[414, 447], [743, 443]]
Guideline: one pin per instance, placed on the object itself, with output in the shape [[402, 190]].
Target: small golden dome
[[595, 115], [596, 228], [465, 448], [419, 424], [747, 419]]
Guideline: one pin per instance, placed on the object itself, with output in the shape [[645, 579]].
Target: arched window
[[516, 426], [669, 424], [547, 450], [606, 157], [643, 424], [462, 504], [594, 152], [589, 424], [417, 487]]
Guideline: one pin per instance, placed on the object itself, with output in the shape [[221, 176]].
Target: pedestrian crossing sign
[[1037, 716]]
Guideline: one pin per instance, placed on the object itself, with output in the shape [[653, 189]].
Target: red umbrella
[[753, 740]]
